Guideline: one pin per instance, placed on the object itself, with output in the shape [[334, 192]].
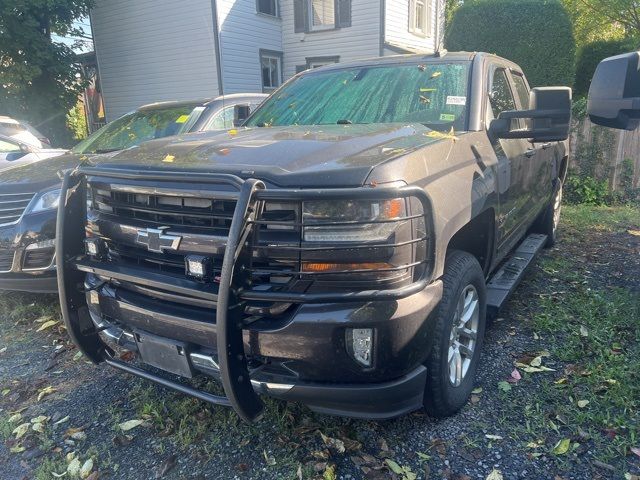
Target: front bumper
[[27, 253], [305, 351]]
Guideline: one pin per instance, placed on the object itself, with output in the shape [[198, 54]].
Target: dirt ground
[[557, 394]]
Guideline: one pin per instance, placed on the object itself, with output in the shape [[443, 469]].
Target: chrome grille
[[12, 206], [205, 215], [6, 260]]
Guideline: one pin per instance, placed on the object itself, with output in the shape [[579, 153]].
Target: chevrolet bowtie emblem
[[156, 240]]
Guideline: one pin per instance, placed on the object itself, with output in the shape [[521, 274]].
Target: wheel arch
[[476, 237]]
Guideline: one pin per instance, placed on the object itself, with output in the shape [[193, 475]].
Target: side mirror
[[240, 114], [549, 117], [24, 148], [614, 95]]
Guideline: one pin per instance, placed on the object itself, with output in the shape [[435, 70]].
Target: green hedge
[[536, 34], [590, 55]]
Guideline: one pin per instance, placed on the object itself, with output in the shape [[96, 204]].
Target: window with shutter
[[322, 14], [343, 13]]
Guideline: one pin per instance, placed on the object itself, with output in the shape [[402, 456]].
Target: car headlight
[[352, 220], [48, 200]]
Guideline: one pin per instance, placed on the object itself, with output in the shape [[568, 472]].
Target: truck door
[[540, 164], [513, 164]]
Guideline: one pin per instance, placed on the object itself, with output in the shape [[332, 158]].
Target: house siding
[[397, 27], [243, 33], [361, 40], [154, 50]]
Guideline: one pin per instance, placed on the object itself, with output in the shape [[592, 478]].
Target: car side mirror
[[24, 148], [240, 114], [548, 117], [614, 95]]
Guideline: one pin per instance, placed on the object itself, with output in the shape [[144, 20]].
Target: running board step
[[506, 279]]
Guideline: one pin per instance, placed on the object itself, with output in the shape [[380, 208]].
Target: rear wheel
[[548, 222], [458, 336]]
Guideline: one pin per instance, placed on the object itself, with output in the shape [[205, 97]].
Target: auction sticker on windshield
[[453, 100]]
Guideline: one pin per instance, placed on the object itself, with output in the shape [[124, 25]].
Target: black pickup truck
[[341, 249]]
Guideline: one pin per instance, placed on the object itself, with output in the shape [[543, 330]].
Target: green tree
[[595, 20], [39, 78], [536, 34]]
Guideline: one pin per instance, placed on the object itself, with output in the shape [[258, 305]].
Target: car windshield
[[434, 94], [140, 126]]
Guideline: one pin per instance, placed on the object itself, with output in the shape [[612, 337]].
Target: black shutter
[[343, 13], [300, 16]]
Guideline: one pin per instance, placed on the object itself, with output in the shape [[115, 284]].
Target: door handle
[[546, 145], [530, 152]]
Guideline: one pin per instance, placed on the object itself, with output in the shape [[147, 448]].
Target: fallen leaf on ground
[[495, 475], [493, 437], [336, 444], [58, 475], [122, 440], [46, 325], [515, 376], [45, 391], [583, 331], [86, 468], [635, 451], [62, 420], [634, 232], [77, 356], [562, 446], [130, 424], [329, 473], [20, 430], [583, 403], [504, 386], [269, 459], [476, 391], [15, 418], [166, 466], [73, 469]]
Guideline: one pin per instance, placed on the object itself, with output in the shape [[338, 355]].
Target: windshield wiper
[[106, 150], [344, 122]]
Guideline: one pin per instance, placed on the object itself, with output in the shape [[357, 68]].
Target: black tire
[[441, 397], [547, 222]]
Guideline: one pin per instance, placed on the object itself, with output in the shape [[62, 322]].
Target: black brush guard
[[234, 372]]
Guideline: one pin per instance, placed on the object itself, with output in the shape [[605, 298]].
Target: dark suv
[[29, 190], [342, 249]]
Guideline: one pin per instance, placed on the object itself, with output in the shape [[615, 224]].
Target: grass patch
[[49, 465], [593, 336]]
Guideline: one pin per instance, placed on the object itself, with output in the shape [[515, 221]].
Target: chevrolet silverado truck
[[340, 249]]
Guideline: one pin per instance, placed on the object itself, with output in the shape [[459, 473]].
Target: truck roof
[[409, 59]]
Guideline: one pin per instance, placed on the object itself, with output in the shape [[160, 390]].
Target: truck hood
[[297, 156]]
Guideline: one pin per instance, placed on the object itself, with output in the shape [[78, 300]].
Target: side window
[[271, 70], [8, 147], [420, 17], [268, 7], [522, 90], [500, 95], [221, 120]]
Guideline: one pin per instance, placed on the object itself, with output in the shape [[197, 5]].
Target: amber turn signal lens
[[338, 267], [393, 208]]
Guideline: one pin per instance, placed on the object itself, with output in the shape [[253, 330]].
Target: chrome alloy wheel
[[464, 334], [557, 207]]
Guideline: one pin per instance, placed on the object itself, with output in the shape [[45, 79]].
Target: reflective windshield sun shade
[[433, 94]]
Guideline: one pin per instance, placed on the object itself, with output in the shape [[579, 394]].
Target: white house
[[154, 50]]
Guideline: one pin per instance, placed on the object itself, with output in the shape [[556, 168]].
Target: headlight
[[45, 201], [352, 220]]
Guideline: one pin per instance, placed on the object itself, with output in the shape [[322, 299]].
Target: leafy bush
[[536, 34], [593, 53], [587, 190]]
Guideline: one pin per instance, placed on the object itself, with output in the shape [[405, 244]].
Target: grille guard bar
[[234, 372]]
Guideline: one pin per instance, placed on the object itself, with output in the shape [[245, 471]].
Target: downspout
[[216, 45], [436, 42], [382, 26]]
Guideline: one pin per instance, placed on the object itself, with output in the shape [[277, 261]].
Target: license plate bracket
[[165, 354]]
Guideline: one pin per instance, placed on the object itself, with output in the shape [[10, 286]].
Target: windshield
[[140, 126], [434, 94]]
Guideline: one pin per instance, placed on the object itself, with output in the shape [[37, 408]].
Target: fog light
[[198, 266], [95, 247], [360, 345]]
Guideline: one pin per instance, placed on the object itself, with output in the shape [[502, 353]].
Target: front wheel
[[458, 336]]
